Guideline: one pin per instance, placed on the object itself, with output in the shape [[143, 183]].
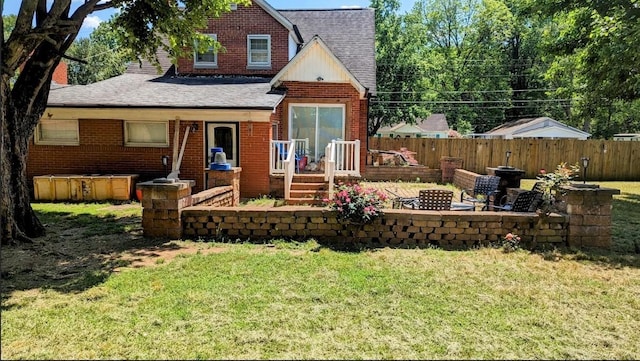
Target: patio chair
[[522, 203], [485, 187], [435, 199], [538, 189]]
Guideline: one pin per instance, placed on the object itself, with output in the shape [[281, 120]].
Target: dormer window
[[207, 59], [259, 51]]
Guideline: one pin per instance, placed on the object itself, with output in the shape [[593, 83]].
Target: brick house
[[283, 75]]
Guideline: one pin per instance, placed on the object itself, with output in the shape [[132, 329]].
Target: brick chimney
[[60, 74]]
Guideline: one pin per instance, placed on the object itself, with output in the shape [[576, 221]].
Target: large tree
[[400, 72], [43, 32], [596, 56], [102, 54]]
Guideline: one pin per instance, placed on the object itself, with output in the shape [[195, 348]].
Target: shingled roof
[[349, 33], [142, 90]]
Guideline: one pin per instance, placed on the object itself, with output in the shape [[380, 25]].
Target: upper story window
[[146, 133], [258, 51], [57, 132], [208, 59]]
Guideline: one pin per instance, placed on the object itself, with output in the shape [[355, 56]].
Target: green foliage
[[102, 51], [144, 26], [551, 182], [356, 204], [400, 73], [510, 243], [8, 23]]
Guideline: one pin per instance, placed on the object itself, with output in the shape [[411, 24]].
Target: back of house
[[281, 75]]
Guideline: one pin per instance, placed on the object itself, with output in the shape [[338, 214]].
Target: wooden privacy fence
[[609, 160]]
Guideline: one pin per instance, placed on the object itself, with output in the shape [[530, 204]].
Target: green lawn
[[302, 301]]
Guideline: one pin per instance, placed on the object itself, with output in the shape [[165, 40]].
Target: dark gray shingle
[[349, 33], [141, 90]]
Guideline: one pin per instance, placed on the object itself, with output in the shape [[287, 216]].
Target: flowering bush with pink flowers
[[511, 242], [356, 204]]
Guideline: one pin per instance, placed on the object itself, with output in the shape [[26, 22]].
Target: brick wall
[[254, 158], [232, 29], [102, 151], [60, 74], [168, 211], [464, 179], [397, 228], [589, 210]]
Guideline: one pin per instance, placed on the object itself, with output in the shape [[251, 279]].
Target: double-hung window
[[207, 59], [57, 132], [146, 133], [258, 51]]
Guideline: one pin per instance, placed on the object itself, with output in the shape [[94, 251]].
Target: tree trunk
[[19, 222], [22, 108]]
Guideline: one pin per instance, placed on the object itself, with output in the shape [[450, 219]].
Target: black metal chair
[[522, 203], [485, 186], [435, 199]]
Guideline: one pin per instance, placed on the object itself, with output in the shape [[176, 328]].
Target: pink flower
[[509, 236]]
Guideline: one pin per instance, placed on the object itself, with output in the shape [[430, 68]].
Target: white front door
[[321, 123], [225, 136]]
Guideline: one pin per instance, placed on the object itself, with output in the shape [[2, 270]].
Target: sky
[[93, 20]]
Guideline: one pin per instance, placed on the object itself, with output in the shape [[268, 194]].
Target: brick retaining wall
[[464, 179], [397, 228]]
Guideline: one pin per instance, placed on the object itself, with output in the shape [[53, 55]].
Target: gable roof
[[276, 15], [433, 123], [518, 128], [304, 67], [348, 33]]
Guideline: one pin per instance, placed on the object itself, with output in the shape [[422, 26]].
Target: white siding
[[316, 64]]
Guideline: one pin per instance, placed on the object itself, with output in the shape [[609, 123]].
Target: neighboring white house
[[542, 127], [627, 136], [434, 126]]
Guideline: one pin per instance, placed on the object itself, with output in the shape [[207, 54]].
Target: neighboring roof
[[520, 126], [349, 33], [145, 66], [433, 123], [141, 90], [305, 67]]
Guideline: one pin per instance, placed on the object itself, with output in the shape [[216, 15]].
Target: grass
[[84, 216], [291, 300]]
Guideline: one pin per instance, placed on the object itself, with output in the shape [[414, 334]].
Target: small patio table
[[455, 206]]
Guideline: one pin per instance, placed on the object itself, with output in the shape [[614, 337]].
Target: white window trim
[[37, 139], [259, 65], [150, 145], [206, 64]]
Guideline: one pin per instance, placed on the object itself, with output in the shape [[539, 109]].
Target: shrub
[[355, 204], [551, 182], [510, 243]]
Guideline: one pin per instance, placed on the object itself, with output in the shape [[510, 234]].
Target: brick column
[[589, 211], [218, 178], [448, 165], [162, 205]]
